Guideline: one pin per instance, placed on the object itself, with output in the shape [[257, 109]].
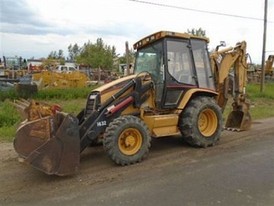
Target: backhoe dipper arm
[[223, 62]]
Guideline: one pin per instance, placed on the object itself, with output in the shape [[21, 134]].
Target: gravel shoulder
[[21, 184]]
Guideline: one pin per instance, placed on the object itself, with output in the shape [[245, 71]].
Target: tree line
[[92, 55]]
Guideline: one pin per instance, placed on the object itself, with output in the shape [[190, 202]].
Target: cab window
[[180, 65], [150, 59], [202, 65]]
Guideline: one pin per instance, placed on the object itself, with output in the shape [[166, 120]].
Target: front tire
[[201, 122], [127, 140]]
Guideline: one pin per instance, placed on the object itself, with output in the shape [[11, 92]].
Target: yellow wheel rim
[[207, 122], [130, 141]]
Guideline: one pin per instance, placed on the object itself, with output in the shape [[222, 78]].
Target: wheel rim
[[207, 122], [130, 141]]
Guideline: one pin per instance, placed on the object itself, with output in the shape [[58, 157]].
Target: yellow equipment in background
[[46, 79], [268, 65]]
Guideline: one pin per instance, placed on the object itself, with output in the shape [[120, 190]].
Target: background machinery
[[254, 72], [177, 88], [269, 66]]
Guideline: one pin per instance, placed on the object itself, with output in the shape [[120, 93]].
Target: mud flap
[[238, 121], [50, 144]]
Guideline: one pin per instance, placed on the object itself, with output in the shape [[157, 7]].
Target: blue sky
[[34, 28]]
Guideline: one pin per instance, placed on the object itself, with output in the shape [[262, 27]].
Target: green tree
[[53, 55], [60, 54], [50, 63], [197, 32], [97, 55], [56, 57], [74, 51]]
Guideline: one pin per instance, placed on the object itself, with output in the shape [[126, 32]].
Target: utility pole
[[264, 42], [127, 59]]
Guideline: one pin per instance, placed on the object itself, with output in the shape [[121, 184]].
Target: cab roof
[[162, 34]]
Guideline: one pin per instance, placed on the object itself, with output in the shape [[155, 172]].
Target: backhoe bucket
[[238, 121], [50, 144]]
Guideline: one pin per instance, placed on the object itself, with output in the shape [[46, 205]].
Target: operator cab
[[177, 62]]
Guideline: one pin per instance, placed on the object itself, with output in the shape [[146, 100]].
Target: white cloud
[[47, 25]]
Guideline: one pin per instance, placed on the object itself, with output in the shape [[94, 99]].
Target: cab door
[[179, 73]]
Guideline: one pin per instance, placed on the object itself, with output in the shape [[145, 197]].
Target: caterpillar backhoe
[[177, 89]]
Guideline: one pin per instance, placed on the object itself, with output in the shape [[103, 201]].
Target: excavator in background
[[254, 72], [268, 66], [177, 89]]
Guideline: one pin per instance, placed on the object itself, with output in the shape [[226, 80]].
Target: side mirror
[[222, 43]]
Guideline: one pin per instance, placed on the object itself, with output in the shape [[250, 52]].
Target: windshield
[[150, 59], [202, 64]]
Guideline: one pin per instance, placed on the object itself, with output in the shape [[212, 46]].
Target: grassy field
[[73, 100], [261, 103]]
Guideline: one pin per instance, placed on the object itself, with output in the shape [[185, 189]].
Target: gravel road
[[239, 170]]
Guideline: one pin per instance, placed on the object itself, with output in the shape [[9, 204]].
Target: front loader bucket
[[50, 144], [238, 121]]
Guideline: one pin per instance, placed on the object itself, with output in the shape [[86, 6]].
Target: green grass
[[48, 94], [9, 119], [63, 94], [261, 103], [253, 91], [10, 94], [7, 133], [73, 100]]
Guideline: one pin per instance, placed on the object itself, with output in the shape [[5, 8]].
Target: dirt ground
[[21, 184]]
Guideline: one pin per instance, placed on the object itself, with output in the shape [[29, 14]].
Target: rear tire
[[127, 140], [201, 122]]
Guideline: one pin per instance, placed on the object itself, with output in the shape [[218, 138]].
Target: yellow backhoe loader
[[177, 88], [268, 66]]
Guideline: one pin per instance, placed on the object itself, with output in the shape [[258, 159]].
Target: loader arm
[[230, 69], [96, 122]]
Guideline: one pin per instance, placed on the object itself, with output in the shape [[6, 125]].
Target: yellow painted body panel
[[162, 125], [113, 87], [114, 83], [189, 94]]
